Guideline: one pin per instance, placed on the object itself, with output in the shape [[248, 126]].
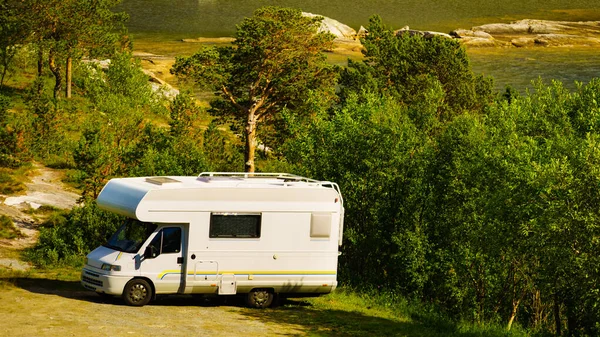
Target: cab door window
[[167, 241]]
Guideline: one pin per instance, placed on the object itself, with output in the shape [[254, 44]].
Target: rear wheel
[[138, 292], [260, 298]]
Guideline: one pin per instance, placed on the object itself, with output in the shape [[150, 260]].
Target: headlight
[[110, 267]]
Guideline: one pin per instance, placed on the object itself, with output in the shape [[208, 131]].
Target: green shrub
[[66, 238]]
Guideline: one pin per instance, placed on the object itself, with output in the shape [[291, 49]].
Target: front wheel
[[138, 292], [260, 298]]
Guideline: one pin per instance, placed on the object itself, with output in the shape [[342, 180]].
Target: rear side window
[[234, 225]]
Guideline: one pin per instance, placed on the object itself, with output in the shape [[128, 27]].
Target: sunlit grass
[[12, 181], [8, 229], [350, 313]]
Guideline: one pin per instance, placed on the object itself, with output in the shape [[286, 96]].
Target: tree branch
[[233, 100]]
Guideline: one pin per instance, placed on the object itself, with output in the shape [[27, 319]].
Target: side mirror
[[149, 253]]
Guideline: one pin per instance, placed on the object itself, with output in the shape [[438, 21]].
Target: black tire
[[260, 298], [137, 292]]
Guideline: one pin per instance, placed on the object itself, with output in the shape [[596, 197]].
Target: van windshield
[[130, 237]]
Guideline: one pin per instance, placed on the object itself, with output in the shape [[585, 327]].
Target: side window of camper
[[168, 240], [234, 225]]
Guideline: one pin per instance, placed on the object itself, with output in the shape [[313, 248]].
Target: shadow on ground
[[74, 290]]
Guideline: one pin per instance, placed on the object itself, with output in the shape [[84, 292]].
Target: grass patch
[[62, 278], [8, 184], [347, 313], [61, 273], [9, 277], [8, 229], [42, 210]]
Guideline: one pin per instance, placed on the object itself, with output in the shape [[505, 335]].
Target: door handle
[[180, 260]]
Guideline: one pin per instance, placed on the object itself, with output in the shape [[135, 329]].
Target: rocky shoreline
[[522, 33], [528, 34], [532, 33]]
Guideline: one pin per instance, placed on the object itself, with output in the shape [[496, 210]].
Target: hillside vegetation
[[480, 208]]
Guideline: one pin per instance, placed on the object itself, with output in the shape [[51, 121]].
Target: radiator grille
[[90, 280]]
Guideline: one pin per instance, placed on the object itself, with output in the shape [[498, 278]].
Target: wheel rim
[[138, 293], [261, 297]]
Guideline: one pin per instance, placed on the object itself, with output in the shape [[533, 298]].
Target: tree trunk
[[40, 72], [4, 69], [40, 63], [68, 76], [9, 53], [513, 314], [55, 69], [250, 143], [538, 309], [557, 321]]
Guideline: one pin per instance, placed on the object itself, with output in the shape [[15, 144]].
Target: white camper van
[[219, 233]]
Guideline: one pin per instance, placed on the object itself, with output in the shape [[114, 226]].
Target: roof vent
[[161, 180]]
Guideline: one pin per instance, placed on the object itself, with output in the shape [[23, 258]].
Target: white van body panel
[[295, 251]]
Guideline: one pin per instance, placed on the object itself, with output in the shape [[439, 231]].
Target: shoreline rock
[[425, 33], [533, 33], [209, 40]]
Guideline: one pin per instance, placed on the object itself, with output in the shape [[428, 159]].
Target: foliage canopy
[[275, 63]]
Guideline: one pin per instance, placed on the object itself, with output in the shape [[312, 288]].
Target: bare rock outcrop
[[531, 33], [329, 25], [476, 38], [425, 33]]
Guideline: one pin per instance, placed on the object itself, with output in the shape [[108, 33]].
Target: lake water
[[170, 20]]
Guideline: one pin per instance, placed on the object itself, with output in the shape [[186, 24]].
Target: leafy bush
[[8, 139], [492, 218], [67, 237]]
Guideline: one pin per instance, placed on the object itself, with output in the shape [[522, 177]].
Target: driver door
[[163, 260]]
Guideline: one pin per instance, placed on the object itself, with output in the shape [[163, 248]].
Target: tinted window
[[171, 240], [168, 240], [235, 225]]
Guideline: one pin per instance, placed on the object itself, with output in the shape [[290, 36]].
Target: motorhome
[[250, 234]]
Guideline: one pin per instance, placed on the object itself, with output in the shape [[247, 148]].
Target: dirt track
[[58, 308]]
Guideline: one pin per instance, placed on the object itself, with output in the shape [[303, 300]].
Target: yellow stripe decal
[[165, 272], [254, 272]]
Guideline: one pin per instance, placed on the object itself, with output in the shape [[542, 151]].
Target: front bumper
[[102, 283]]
